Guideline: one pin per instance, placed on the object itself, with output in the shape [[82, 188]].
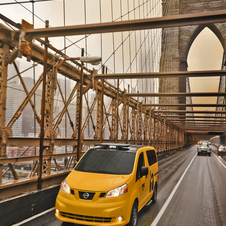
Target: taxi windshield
[[107, 161]]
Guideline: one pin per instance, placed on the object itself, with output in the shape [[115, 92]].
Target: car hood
[[95, 181], [204, 148]]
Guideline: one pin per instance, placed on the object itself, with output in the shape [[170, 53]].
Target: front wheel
[[134, 215], [154, 196]]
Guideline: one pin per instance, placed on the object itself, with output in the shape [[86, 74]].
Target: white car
[[204, 149]]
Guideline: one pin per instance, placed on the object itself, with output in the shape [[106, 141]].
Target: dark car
[[221, 150], [204, 149]]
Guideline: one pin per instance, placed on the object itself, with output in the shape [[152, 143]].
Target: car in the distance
[[109, 186], [221, 150], [204, 149]]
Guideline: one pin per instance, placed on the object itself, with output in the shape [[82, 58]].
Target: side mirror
[[144, 171]]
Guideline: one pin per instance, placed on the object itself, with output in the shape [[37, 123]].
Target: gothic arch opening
[[205, 53]]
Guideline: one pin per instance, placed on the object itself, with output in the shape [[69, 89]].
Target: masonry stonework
[[177, 41]]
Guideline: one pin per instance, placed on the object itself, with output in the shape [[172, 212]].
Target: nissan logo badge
[[86, 195]]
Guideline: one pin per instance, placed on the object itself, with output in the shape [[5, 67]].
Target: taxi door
[[143, 182], [153, 170]]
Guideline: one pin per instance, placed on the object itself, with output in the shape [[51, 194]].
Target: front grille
[[86, 195], [86, 218]]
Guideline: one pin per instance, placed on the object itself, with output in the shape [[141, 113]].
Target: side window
[[139, 165], [151, 157]]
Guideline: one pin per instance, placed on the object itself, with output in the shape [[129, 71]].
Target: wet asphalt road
[[199, 200]]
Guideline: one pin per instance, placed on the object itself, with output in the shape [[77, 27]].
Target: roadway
[[191, 192]]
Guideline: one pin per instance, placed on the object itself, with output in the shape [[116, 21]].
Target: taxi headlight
[[64, 187], [219, 149], [118, 191]]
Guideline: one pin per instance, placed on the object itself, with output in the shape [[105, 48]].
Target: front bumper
[[200, 152], [88, 212]]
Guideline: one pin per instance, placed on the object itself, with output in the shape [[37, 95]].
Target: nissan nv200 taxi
[[109, 186]]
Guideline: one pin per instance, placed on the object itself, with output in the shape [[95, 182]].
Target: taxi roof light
[[115, 146]]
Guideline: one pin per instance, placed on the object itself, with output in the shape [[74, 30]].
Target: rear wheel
[[134, 215], [154, 196]]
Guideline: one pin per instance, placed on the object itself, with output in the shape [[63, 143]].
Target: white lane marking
[[158, 217], [220, 161], [33, 217]]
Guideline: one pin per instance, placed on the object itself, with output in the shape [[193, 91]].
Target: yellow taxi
[[109, 186]]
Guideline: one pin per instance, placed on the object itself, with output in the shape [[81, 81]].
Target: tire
[[154, 196], [134, 215]]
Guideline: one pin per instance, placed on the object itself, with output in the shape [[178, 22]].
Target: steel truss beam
[[161, 125], [207, 129], [203, 122], [178, 74], [191, 116], [196, 121], [210, 94], [189, 112], [184, 105], [131, 25], [203, 132]]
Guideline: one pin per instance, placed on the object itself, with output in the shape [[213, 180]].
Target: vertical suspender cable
[[86, 50], [130, 58], [135, 36], [145, 46], [135, 40], [101, 36], [141, 58], [101, 54], [65, 79], [86, 45], [149, 57], [113, 37], [122, 39], [33, 22]]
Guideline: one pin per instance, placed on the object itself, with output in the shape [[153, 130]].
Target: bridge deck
[[190, 192]]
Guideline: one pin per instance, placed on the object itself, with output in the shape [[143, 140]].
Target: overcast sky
[[206, 53], [130, 51]]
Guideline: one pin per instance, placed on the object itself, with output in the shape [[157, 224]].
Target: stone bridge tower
[[177, 41]]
